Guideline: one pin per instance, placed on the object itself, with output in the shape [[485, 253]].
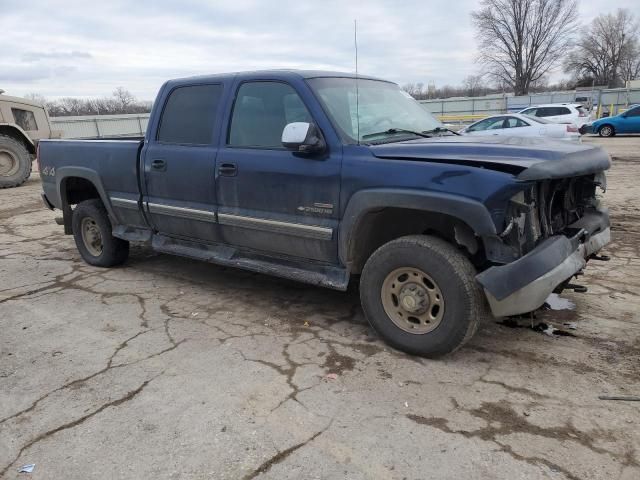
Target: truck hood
[[528, 158]]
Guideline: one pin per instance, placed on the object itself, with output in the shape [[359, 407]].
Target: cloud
[[21, 74], [36, 56], [139, 45]]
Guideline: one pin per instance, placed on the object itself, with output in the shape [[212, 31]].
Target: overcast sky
[[82, 48]]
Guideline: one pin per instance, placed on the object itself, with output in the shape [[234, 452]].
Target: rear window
[[189, 115], [25, 119]]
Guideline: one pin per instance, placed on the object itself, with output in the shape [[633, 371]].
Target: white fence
[[610, 100], [100, 126]]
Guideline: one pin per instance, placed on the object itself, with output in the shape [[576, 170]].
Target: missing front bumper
[[523, 286]]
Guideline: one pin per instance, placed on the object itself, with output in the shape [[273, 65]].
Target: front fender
[[469, 211]]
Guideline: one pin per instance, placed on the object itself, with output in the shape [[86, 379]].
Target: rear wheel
[[606, 131], [419, 293], [15, 162], [92, 233]]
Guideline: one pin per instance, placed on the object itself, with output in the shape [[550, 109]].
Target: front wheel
[[419, 293], [92, 233], [606, 131]]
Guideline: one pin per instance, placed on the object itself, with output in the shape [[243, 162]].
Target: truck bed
[[115, 161]]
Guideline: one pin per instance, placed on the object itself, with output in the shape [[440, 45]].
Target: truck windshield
[[385, 111]]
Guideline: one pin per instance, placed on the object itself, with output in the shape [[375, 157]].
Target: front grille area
[[547, 208], [563, 202]]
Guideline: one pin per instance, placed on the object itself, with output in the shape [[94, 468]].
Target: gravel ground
[[170, 368]]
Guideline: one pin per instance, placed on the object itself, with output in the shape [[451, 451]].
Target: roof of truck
[[279, 73]]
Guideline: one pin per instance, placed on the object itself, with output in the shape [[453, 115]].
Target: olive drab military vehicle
[[23, 123]]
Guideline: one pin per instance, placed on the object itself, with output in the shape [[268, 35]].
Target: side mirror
[[303, 137]]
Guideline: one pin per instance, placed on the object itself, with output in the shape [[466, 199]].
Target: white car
[[560, 113], [518, 125]]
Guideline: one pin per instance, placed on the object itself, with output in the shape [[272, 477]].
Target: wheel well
[[78, 189], [378, 227], [16, 134]]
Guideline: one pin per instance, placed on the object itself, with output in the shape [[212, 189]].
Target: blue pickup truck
[[328, 178]]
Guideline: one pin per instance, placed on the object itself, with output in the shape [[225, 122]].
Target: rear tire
[[606, 131], [92, 233], [15, 162], [419, 293]]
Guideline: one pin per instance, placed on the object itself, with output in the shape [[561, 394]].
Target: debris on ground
[[332, 376], [570, 325], [27, 468], [626, 398], [306, 323], [556, 302], [551, 330], [540, 327]]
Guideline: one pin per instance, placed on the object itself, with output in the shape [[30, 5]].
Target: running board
[[314, 274]]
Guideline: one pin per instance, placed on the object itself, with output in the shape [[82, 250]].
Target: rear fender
[[63, 174]]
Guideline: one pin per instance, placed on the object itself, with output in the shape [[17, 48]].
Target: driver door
[[270, 199], [631, 121]]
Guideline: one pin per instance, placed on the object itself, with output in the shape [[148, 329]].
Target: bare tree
[[124, 103], [630, 62], [607, 51], [36, 97], [521, 40], [474, 86], [123, 97]]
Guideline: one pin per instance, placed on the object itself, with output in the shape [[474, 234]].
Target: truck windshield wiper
[[441, 130], [396, 130]]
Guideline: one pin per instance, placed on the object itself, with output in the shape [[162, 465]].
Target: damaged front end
[[551, 229]]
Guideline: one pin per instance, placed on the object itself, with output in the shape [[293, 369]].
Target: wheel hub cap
[[8, 164], [412, 300], [91, 236]]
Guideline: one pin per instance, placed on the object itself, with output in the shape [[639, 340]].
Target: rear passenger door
[[270, 199], [179, 185]]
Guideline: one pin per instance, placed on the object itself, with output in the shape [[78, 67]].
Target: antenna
[[355, 43]]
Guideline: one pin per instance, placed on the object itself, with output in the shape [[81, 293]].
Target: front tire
[[92, 233], [15, 162], [419, 293], [606, 131]]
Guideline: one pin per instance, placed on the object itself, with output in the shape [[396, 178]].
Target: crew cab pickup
[[326, 178]]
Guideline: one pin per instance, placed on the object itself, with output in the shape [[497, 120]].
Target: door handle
[[228, 169], [159, 165]]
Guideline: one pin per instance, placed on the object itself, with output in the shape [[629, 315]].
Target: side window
[[497, 123], [189, 115], [545, 112], [635, 112], [25, 119], [484, 124], [260, 113], [513, 122], [531, 111], [562, 111]]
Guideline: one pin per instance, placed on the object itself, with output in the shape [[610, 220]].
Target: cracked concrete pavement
[[171, 368]]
